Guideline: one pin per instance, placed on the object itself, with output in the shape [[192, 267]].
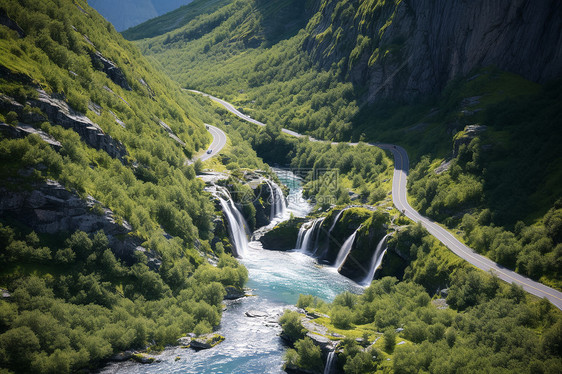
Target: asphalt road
[[219, 141], [400, 200]]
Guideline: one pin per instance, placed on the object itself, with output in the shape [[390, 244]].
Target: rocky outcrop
[[465, 137], [402, 50], [114, 73], [50, 208], [171, 133], [282, 237], [22, 130], [60, 113]]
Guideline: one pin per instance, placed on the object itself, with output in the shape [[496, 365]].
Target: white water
[[297, 205], [376, 260], [310, 236], [345, 249], [305, 227], [278, 208], [237, 226], [330, 363]]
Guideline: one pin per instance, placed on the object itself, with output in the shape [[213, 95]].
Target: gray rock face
[[417, 46], [22, 130], [60, 113], [50, 208], [108, 67]]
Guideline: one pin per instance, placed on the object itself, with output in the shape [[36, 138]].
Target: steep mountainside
[[105, 230], [404, 49], [124, 14]]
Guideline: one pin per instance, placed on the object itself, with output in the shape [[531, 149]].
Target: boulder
[[122, 356], [233, 293], [206, 341], [255, 314], [184, 341], [142, 358]]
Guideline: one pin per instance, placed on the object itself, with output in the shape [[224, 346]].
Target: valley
[[250, 186]]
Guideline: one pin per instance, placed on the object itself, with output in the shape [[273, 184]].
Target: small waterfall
[[345, 249], [336, 219], [376, 260], [237, 226], [302, 231], [309, 235], [278, 207], [330, 363], [327, 245]]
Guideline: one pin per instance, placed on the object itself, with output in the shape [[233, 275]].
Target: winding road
[[218, 143], [400, 200]]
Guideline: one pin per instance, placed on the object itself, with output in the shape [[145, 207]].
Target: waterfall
[[277, 199], [237, 226], [330, 363], [308, 235], [376, 260], [345, 249], [336, 220], [302, 231]]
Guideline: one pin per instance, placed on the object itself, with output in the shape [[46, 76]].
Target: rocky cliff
[[48, 207], [404, 49]]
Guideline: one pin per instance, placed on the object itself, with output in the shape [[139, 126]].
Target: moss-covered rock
[[282, 237], [206, 341], [372, 231], [143, 358]]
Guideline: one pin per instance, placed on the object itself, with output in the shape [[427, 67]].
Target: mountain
[[128, 13], [470, 89], [101, 217]]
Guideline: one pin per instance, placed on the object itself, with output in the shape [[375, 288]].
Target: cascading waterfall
[[330, 363], [345, 249], [308, 237], [302, 231], [334, 222], [237, 226], [336, 219], [278, 207], [376, 260]]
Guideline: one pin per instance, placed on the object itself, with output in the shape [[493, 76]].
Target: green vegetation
[[75, 304], [302, 81], [486, 326], [500, 330], [75, 300], [329, 171]]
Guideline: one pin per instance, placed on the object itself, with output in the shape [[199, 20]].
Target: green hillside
[[104, 230], [308, 81]]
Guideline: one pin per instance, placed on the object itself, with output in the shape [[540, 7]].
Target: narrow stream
[[252, 344]]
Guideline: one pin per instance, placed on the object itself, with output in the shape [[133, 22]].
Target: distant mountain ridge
[[124, 14]]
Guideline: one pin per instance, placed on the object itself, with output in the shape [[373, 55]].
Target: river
[[252, 344]]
